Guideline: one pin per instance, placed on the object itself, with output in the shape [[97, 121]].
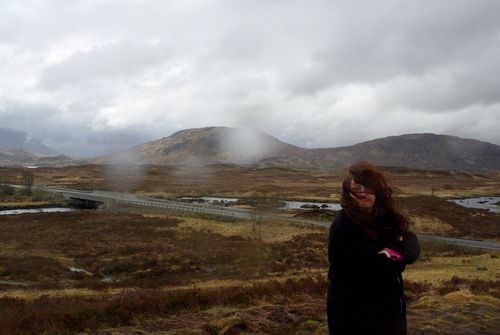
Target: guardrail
[[103, 196]]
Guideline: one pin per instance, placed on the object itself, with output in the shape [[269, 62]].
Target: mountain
[[18, 148], [424, 151], [13, 139], [212, 145], [220, 145]]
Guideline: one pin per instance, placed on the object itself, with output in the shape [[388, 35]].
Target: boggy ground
[[197, 275], [437, 216], [139, 251], [252, 182], [421, 193], [433, 215]]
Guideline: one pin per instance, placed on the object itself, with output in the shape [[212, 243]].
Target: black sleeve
[[409, 247]]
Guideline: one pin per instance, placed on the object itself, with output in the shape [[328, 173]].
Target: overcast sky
[[90, 77]]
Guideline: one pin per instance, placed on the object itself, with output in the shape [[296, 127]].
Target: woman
[[369, 246]]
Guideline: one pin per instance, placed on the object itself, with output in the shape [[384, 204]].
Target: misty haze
[[175, 168]]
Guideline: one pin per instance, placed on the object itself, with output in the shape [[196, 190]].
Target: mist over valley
[[248, 147]]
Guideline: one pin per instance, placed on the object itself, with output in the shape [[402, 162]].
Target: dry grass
[[454, 290], [147, 251], [71, 314], [444, 184], [430, 225], [183, 275], [439, 269], [173, 264], [230, 180], [436, 215], [25, 204], [268, 231]]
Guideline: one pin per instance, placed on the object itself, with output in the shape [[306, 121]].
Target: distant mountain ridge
[[422, 151], [13, 139], [17, 147], [247, 147], [221, 145]]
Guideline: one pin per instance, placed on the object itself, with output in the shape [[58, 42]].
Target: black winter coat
[[365, 292]]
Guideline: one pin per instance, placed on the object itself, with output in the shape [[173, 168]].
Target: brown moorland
[[421, 193], [233, 180], [162, 274], [150, 272]]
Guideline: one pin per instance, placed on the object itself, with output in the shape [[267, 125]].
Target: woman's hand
[[392, 254]]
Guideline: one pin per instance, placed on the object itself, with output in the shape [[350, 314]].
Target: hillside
[[13, 139], [220, 145], [19, 148], [424, 151], [213, 145]]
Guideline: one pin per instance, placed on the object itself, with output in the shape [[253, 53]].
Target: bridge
[[94, 198]]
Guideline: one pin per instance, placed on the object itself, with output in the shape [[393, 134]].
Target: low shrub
[[415, 290], [6, 189], [73, 314], [475, 286]]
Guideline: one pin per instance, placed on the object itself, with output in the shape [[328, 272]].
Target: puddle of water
[[489, 203], [288, 204], [79, 270], [105, 278], [210, 200], [35, 210], [306, 205], [110, 279], [216, 199]]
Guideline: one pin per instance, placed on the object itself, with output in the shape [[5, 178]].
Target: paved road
[[106, 197], [462, 242]]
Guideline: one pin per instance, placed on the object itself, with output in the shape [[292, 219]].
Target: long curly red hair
[[384, 214]]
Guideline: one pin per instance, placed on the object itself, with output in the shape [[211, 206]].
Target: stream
[[35, 210], [288, 204], [489, 203]]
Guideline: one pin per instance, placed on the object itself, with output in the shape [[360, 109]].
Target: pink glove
[[392, 254]]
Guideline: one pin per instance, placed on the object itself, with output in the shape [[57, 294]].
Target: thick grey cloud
[[116, 60], [376, 41], [74, 134], [91, 77]]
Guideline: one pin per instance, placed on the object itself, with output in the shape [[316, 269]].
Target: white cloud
[[313, 73], [115, 61]]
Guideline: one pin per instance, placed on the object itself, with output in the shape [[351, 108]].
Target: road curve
[[491, 245]]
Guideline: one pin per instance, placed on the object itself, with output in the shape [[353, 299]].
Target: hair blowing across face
[[384, 214]]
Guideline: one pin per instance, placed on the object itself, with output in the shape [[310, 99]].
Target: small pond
[[218, 200], [309, 205], [105, 278], [288, 204], [35, 210], [210, 200], [489, 203]]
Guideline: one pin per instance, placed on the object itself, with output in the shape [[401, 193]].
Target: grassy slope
[[257, 277], [179, 275], [437, 216]]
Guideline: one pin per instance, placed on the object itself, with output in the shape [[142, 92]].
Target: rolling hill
[[221, 145], [19, 148], [213, 145]]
